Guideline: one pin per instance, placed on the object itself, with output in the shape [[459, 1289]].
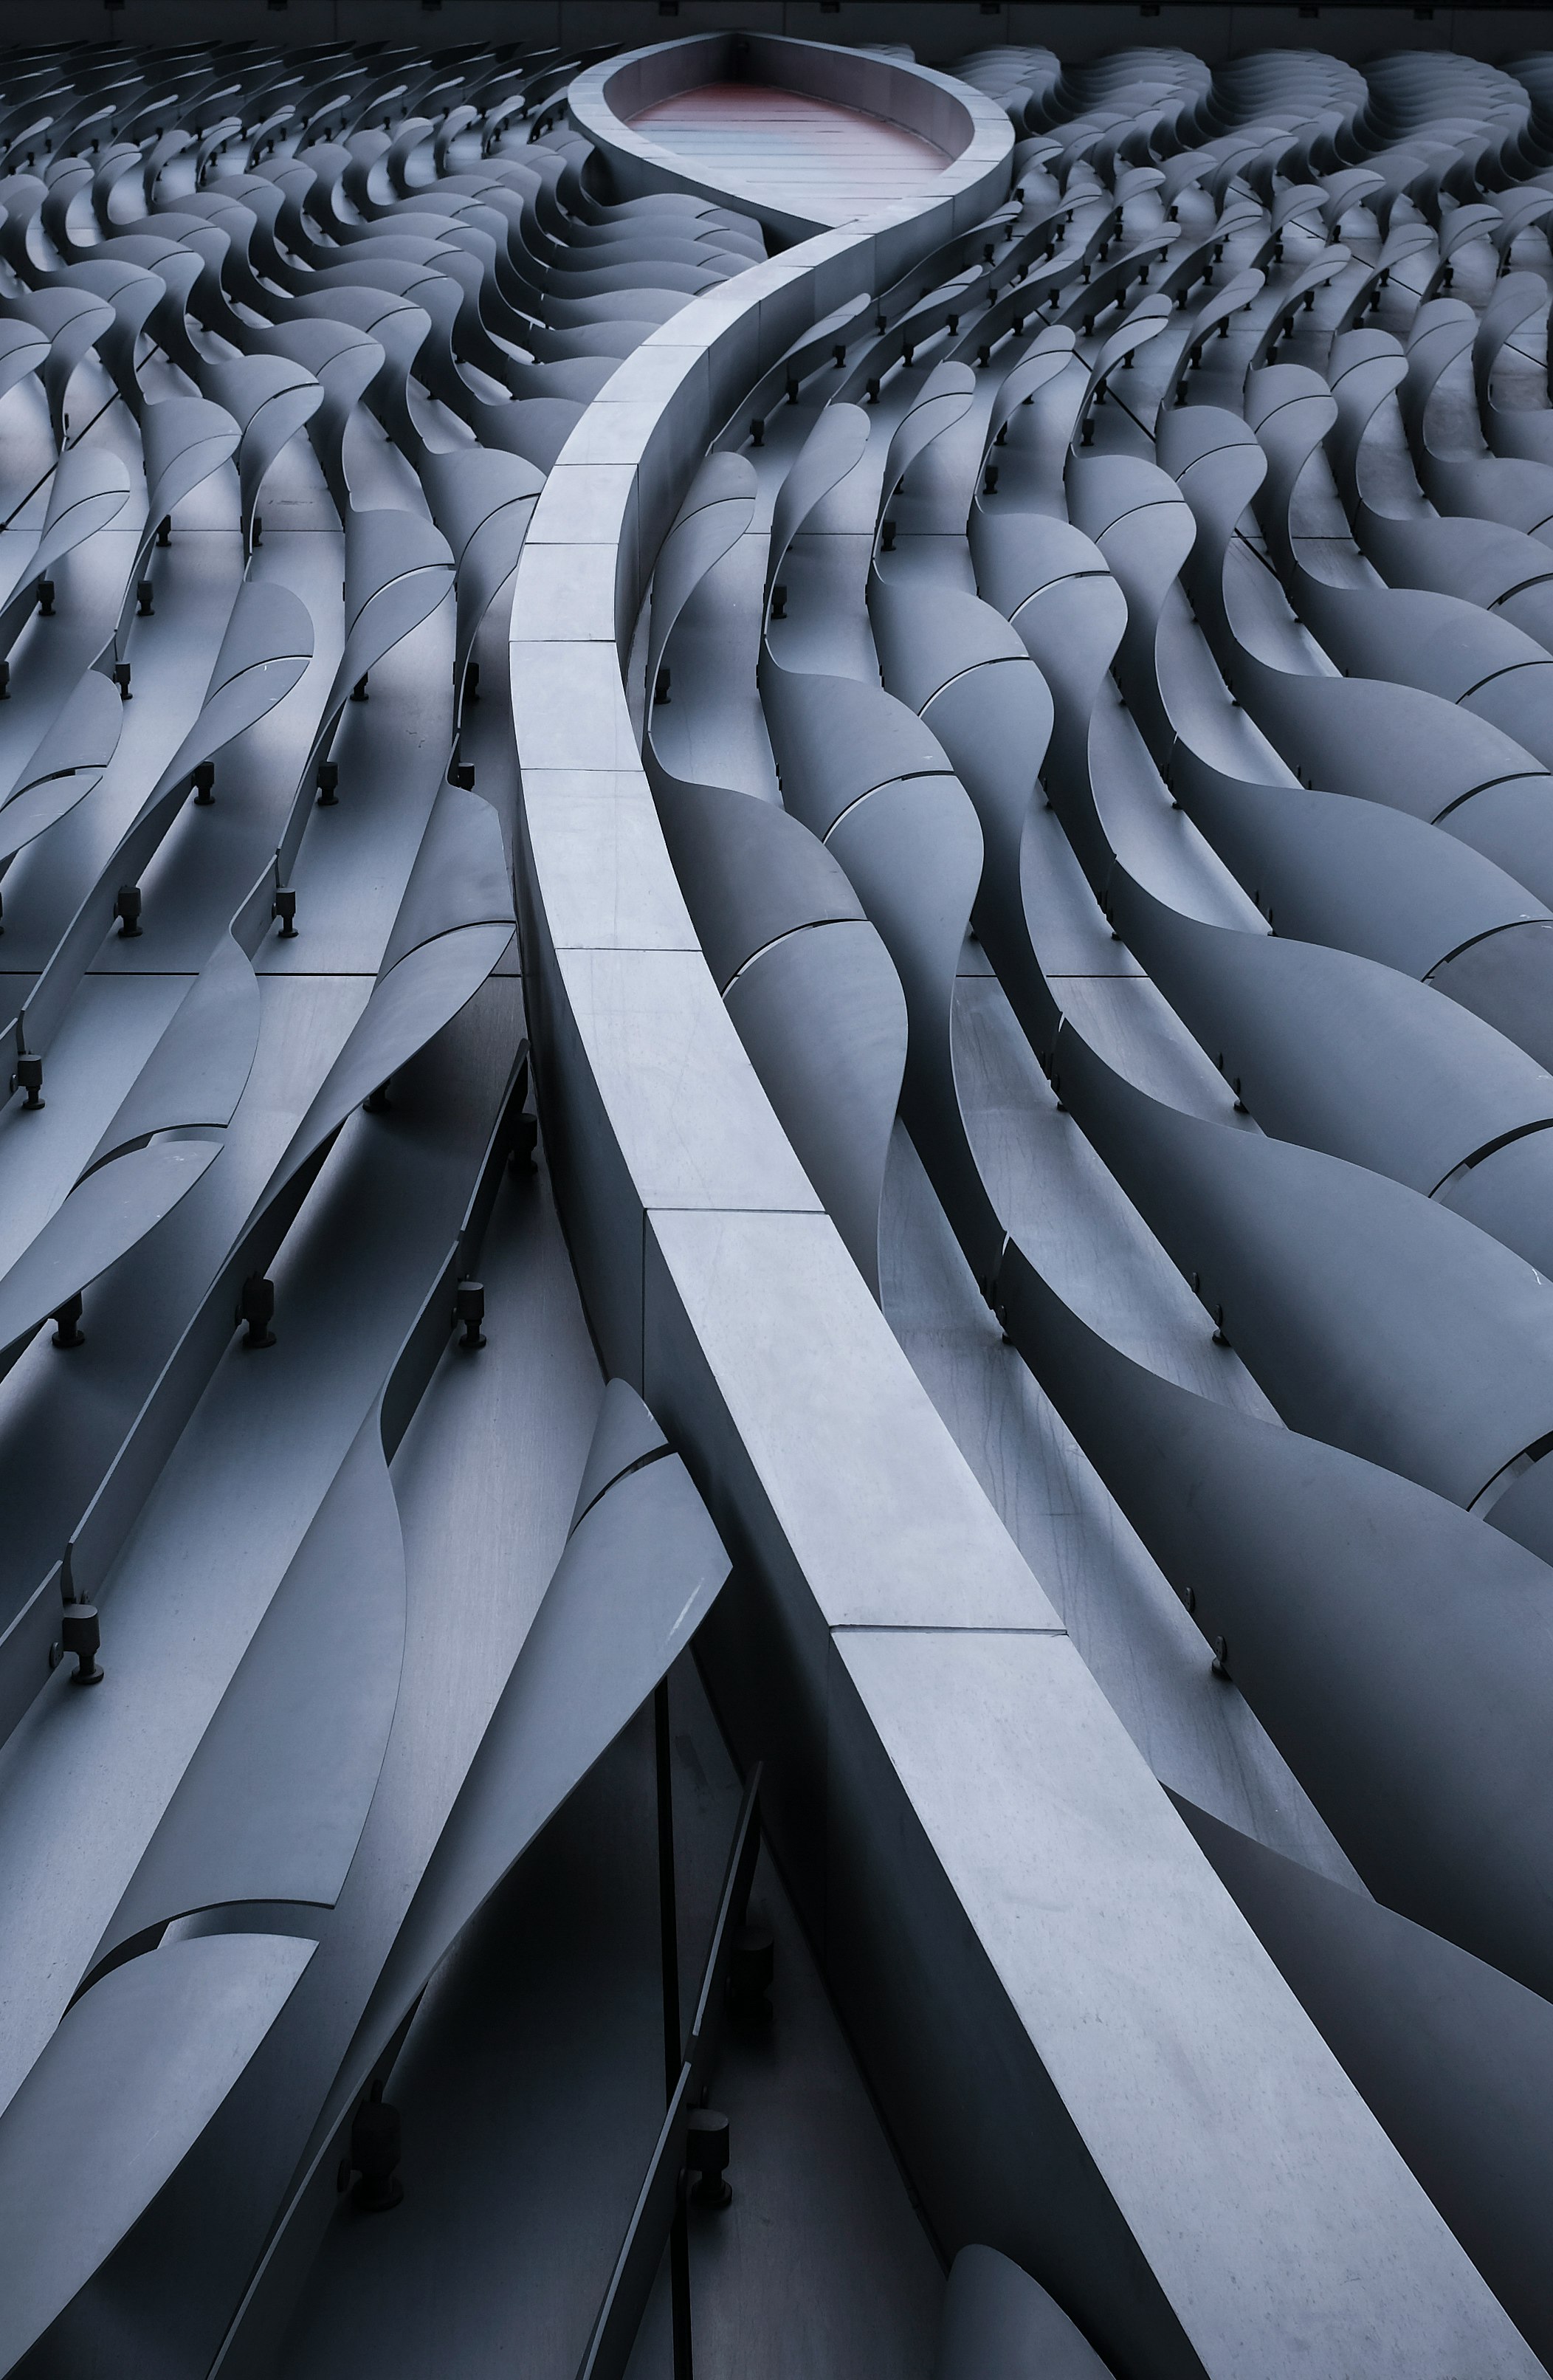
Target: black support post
[[673, 2049]]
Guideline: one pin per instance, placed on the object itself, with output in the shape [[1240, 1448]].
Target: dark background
[[938, 30]]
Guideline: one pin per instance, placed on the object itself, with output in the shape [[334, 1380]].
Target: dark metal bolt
[[887, 538], [469, 1311], [462, 773], [5, 681], [203, 782], [69, 1316], [46, 597], [256, 1306], [706, 2155], [164, 532], [328, 783], [121, 679], [758, 430], [143, 593], [376, 1103], [79, 1633], [29, 1079], [751, 1966], [359, 691], [471, 683], [126, 909], [284, 906], [661, 687], [778, 603], [1221, 1657], [376, 2146]]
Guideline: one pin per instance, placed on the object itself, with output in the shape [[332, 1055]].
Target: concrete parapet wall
[[1081, 2048], [971, 131]]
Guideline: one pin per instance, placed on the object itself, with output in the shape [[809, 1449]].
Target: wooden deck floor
[[822, 160]]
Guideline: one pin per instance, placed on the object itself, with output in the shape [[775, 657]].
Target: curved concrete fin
[[926, 636], [397, 570], [199, 1068], [345, 361], [749, 871], [268, 644], [833, 448], [1446, 2049], [72, 321], [1288, 1549], [944, 398], [124, 2090], [835, 739], [271, 1804], [1000, 2324], [482, 502], [67, 762], [1048, 355], [624, 1436], [460, 877], [1372, 1316], [408, 1007], [89, 489], [270, 398], [715, 514], [1338, 1051], [23, 349], [638, 1575], [1328, 868], [824, 1018], [100, 1222], [186, 438]]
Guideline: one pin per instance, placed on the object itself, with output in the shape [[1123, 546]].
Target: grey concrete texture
[[774, 1221]]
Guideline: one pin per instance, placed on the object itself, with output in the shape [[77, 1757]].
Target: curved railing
[[973, 135], [940, 1761]]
